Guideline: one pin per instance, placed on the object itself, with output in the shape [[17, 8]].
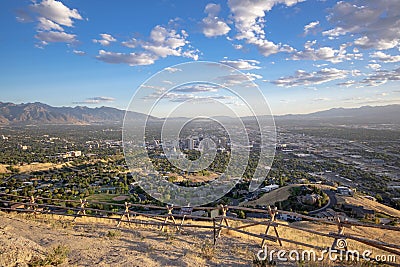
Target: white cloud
[[212, 25], [380, 77], [242, 64], [312, 78], [253, 76], [176, 97], [248, 16], [56, 11], [193, 54], [321, 99], [106, 39], [132, 43], [172, 70], [197, 88], [96, 100], [168, 42], [54, 37], [372, 23], [79, 53], [163, 42], [374, 66], [347, 83], [239, 79], [324, 53], [47, 25], [132, 59], [310, 26], [385, 57], [51, 16]]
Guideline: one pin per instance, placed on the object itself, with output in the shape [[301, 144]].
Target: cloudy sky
[[305, 55]]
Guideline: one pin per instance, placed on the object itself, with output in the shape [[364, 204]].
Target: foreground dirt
[[27, 241], [51, 240]]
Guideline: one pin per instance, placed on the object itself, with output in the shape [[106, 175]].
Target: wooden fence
[[131, 213]]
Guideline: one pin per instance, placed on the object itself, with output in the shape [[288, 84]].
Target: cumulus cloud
[[55, 37], [239, 79], [132, 43], [177, 97], [347, 83], [324, 53], [165, 42], [372, 23], [242, 64], [379, 55], [172, 70], [374, 66], [106, 39], [51, 17], [212, 25], [132, 59], [96, 100], [78, 52], [311, 78], [309, 27], [56, 11], [47, 25], [248, 16], [162, 42], [197, 88], [380, 77]]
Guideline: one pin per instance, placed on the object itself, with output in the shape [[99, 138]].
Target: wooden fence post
[[224, 209], [81, 209], [214, 231], [272, 214], [126, 213], [185, 211], [170, 216], [339, 243], [32, 205]]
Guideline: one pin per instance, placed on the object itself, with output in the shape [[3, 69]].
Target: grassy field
[[374, 205], [32, 167], [3, 168], [270, 198], [279, 194]]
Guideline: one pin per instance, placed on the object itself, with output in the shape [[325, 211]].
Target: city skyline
[[305, 56]]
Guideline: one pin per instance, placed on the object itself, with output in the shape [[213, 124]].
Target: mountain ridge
[[40, 113]]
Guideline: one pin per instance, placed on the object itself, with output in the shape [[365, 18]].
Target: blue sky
[[304, 55]]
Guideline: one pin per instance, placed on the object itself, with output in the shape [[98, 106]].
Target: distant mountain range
[[39, 113], [367, 114]]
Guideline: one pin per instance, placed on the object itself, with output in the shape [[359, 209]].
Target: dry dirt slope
[[29, 241], [25, 240]]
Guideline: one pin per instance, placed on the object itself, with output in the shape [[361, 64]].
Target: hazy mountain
[[366, 114], [39, 113]]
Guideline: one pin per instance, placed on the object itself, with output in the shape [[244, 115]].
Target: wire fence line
[[11, 202]]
